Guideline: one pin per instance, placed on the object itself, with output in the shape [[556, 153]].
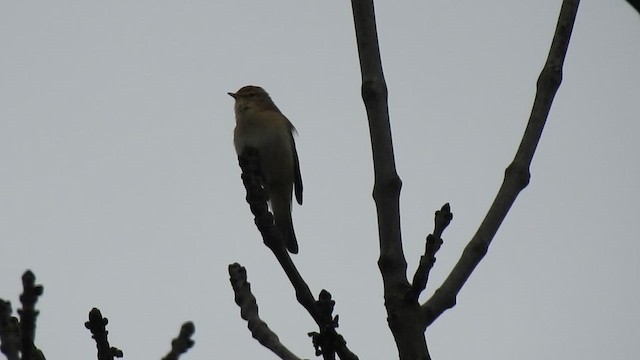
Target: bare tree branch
[[182, 343], [404, 317], [9, 332], [635, 4], [433, 242], [517, 173], [28, 314], [98, 327], [331, 342], [257, 199], [249, 311], [328, 342]]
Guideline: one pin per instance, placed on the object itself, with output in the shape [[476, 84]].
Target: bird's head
[[251, 98]]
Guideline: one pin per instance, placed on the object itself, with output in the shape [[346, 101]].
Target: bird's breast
[[262, 132]]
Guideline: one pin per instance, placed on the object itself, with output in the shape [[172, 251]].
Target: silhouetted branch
[[517, 173], [635, 4], [386, 190], [28, 314], [257, 199], [433, 242], [97, 325], [182, 343], [9, 332], [249, 312], [328, 342], [403, 316]]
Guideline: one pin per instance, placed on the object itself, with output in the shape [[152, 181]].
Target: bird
[[261, 125]]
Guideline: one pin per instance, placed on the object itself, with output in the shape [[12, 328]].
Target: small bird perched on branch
[[261, 125]]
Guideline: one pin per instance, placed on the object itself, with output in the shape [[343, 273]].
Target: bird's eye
[[252, 94]]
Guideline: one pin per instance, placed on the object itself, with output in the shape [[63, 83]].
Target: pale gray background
[[120, 187]]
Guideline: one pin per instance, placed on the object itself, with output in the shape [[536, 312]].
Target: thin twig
[[9, 332], [517, 173], [182, 343], [328, 342], [98, 327], [28, 314], [249, 312], [433, 242], [256, 197]]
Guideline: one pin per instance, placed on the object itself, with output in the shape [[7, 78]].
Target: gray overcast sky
[[120, 186]]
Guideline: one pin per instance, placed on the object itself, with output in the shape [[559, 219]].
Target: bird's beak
[[233, 95]]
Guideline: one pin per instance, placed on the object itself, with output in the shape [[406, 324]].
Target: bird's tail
[[281, 206]]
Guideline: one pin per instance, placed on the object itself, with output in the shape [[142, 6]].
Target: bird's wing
[[297, 177]]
